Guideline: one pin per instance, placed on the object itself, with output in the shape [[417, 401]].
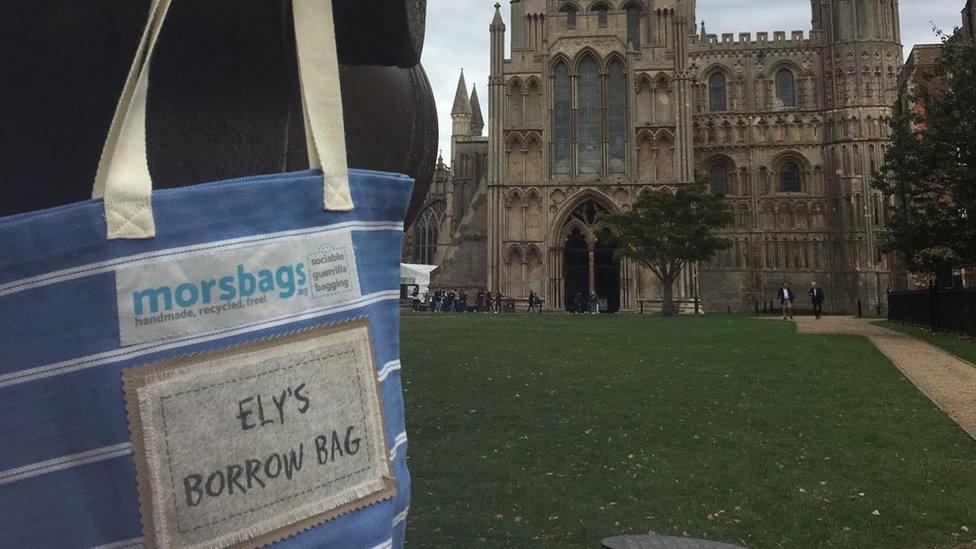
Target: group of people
[[456, 301], [582, 305], [786, 298]]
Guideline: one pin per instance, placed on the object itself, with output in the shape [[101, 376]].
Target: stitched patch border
[[337, 362]]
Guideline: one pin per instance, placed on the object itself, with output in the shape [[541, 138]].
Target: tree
[[930, 168], [665, 232]]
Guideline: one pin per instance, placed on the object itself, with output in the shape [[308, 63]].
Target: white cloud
[[457, 36]]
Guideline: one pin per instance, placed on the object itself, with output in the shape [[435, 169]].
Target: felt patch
[[231, 285], [249, 445]]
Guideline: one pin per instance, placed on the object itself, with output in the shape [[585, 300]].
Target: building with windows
[[600, 101]]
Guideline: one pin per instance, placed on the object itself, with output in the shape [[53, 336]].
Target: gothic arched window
[[633, 26], [616, 116], [601, 15], [588, 117], [425, 233], [786, 88], [570, 11], [718, 178], [862, 18], [515, 115], [789, 177], [717, 100], [562, 123]]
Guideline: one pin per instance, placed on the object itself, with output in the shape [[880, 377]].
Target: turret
[[477, 121], [496, 93], [461, 111], [861, 59]]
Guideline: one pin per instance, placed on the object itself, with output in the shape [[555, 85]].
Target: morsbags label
[[253, 444], [213, 290]]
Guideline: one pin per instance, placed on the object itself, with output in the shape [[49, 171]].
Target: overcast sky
[[457, 36]]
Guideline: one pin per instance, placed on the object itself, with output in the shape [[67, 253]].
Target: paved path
[[948, 381]]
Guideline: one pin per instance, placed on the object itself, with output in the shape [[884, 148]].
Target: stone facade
[[600, 101]]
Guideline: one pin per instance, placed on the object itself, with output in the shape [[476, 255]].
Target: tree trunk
[[667, 296]]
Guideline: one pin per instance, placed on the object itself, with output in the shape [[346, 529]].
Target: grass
[[952, 344], [561, 430]]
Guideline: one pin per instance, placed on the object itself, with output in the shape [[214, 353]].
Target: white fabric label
[[214, 289], [257, 443]]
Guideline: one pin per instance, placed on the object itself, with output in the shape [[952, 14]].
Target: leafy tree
[[665, 232], [930, 168]]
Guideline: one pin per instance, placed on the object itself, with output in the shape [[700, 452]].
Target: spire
[[461, 103], [496, 23], [477, 121]]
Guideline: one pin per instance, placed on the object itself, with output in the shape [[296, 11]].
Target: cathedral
[[602, 100]]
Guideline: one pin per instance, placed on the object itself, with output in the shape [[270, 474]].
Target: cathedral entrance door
[[588, 263], [576, 266]]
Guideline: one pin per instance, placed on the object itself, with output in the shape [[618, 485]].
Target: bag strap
[[123, 178]]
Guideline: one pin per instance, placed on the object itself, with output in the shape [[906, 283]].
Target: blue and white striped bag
[[212, 365]]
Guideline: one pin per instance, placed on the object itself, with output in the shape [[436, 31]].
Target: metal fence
[[940, 310]]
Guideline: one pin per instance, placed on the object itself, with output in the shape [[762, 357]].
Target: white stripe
[[124, 544], [401, 517], [388, 544], [64, 462], [92, 361], [230, 244], [399, 441], [387, 368]]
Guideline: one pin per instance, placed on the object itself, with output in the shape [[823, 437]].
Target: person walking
[[817, 298], [786, 297], [594, 304], [489, 302], [498, 301], [531, 302]]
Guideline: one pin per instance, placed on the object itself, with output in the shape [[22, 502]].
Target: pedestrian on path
[[817, 298], [786, 297]]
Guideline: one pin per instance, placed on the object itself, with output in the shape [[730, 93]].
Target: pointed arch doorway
[[588, 263]]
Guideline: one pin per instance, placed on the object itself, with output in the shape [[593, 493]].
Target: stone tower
[[861, 59]]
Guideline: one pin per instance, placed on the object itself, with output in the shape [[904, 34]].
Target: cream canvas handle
[[123, 178]]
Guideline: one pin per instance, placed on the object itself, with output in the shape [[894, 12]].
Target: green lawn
[[560, 430], [952, 344]]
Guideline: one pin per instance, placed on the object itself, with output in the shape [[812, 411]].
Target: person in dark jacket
[[786, 297], [817, 298]]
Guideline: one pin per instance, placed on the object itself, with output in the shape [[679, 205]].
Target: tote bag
[[212, 365]]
